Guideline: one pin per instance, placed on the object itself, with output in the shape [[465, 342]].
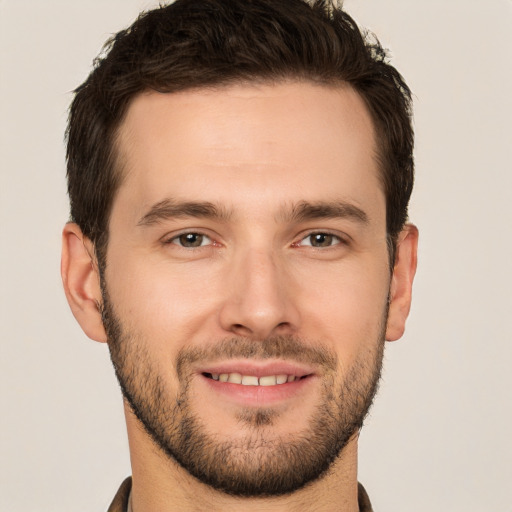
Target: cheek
[[346, 306], [159, 311], [161, 300]]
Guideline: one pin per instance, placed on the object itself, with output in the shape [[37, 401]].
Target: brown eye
[[191, 240], [320, 240]]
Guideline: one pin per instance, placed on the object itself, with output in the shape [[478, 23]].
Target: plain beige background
[[439, 437]]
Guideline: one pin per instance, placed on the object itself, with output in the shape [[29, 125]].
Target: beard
[[258, 463]]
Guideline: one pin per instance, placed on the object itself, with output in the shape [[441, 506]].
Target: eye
[[320, 240], [191, 240]]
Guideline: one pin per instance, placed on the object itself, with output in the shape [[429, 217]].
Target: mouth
[[259, 383], [254, 380]]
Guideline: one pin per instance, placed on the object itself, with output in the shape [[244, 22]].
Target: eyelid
[[342, 238], [170, 238]]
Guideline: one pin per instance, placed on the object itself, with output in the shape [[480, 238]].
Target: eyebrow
[[170, 209], [305, 210], [299, 212]]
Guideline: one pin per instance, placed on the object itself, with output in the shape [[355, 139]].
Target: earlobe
[[401, 282], [81, 281]]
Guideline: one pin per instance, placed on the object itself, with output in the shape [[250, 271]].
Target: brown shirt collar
[[121, 499]]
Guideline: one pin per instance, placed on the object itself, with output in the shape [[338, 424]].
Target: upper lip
[[258, 368]]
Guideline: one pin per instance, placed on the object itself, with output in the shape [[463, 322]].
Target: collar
[[122, 501]]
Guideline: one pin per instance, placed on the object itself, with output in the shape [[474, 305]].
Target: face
[[247, 279]]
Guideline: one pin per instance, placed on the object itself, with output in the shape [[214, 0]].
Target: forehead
[[235, 144]]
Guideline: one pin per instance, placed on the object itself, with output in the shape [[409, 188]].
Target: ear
[[81, 279], [401, 282]]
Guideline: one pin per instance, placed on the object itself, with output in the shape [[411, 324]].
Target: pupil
[[191, 240], [322, 240]]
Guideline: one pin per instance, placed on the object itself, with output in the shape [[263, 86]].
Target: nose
[[259, 300]]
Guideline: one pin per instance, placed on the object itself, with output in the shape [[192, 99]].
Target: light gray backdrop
[[439, 436]]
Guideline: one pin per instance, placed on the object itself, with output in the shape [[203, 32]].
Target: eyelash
[[337, 238], [174, 239]]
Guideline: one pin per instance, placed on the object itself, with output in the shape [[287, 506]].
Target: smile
[[252, 380]]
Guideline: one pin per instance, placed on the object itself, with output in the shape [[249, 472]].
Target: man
[[239, 174]]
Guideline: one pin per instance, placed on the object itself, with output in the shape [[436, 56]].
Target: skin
[[254, 152]]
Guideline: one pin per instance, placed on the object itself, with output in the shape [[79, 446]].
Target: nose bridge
[[258, 301]]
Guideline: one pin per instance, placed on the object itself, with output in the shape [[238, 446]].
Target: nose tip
[[259, 300]]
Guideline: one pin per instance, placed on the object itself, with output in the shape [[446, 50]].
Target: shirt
[[120, 503]]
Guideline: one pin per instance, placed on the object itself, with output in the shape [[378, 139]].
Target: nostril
[[241, 330]]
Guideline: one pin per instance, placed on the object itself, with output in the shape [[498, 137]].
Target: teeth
[[268, 380], [235, 378], [251, 380]]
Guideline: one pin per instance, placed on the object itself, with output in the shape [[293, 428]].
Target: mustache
[[275, 347]]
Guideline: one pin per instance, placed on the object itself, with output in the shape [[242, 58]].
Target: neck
[[161, 485]]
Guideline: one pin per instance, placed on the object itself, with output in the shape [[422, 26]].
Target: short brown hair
[[201, 43]]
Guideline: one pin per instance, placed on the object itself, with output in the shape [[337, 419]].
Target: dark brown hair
[[201, 43]]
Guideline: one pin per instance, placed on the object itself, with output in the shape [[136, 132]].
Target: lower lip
[[259, 395]]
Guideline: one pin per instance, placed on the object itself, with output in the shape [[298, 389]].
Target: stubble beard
[[260, 463]]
